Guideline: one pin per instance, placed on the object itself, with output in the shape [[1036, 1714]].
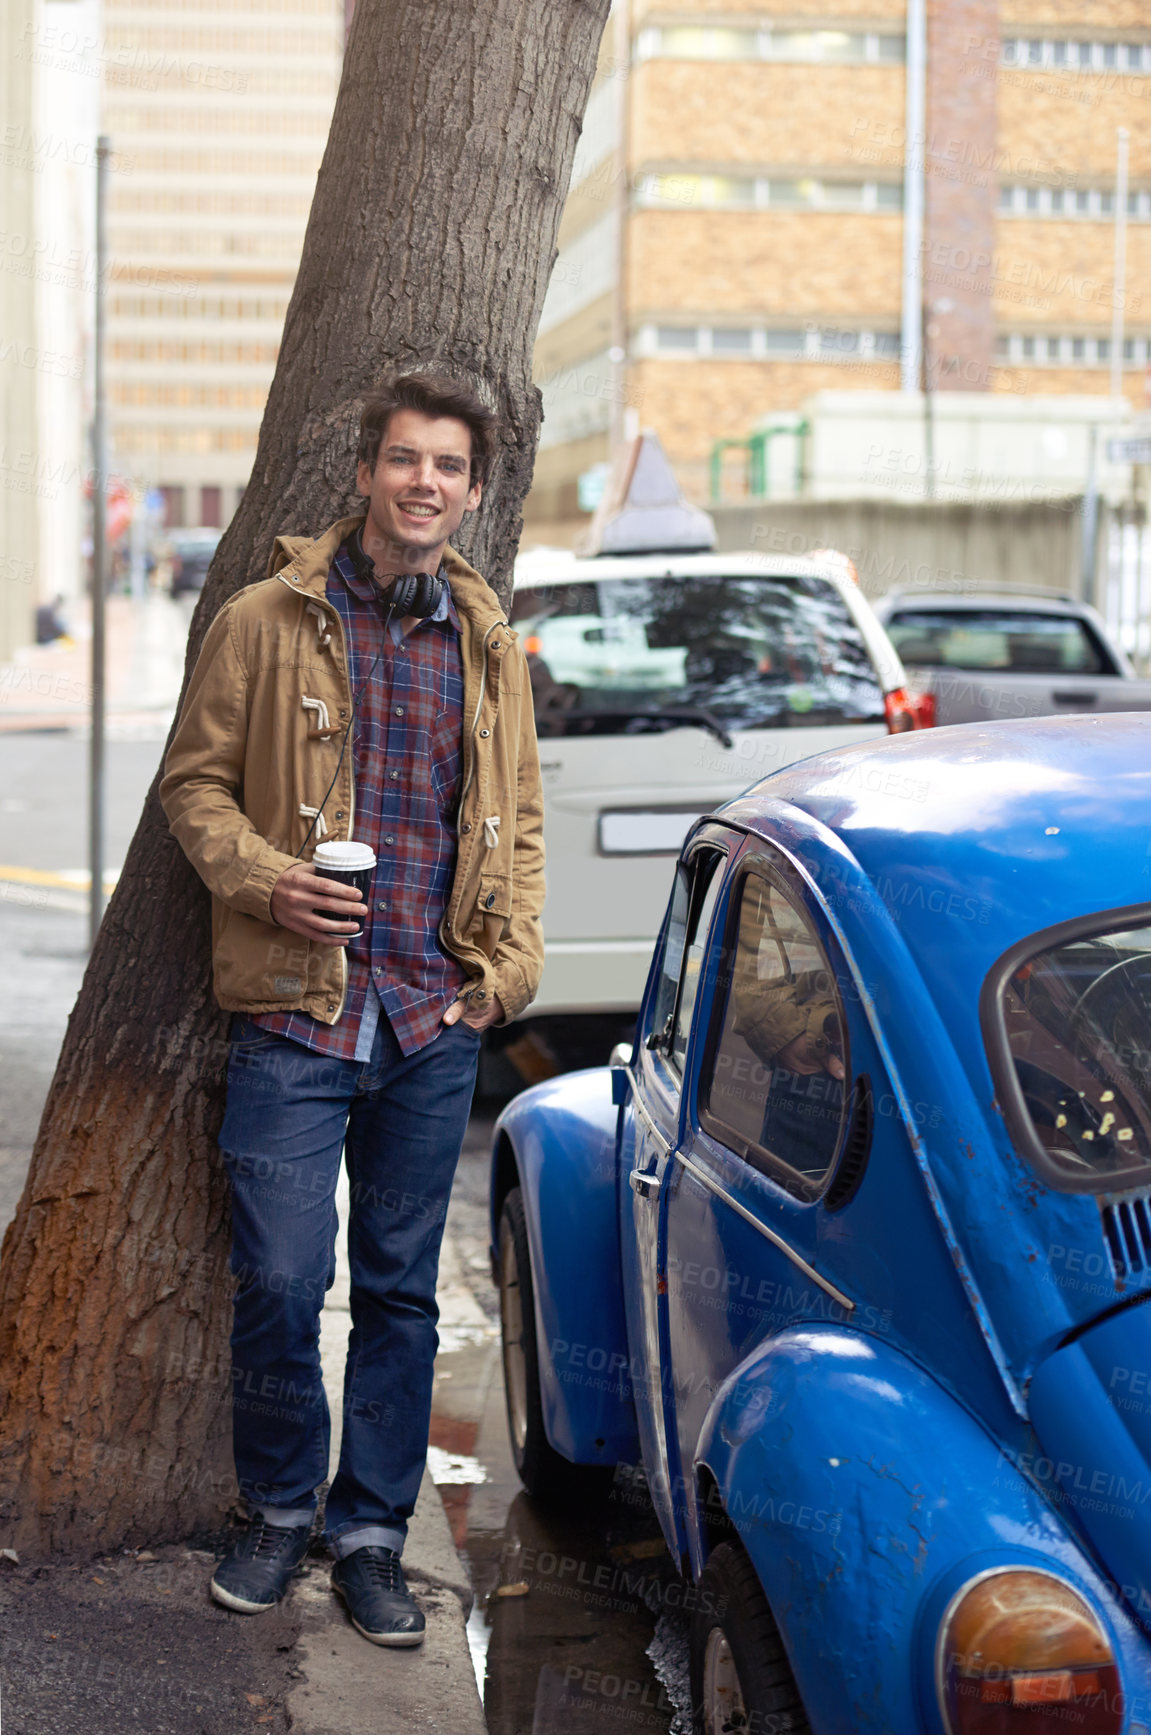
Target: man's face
[[419, 490]]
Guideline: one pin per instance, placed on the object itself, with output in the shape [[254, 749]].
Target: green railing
[[757, 446]]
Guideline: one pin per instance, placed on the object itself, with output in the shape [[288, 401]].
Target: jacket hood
[[312, 556]]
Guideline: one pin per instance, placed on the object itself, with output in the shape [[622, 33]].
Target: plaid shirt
[[407, 746]]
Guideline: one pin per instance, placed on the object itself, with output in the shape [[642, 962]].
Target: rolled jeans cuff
[[366, 1536], [284, 1517]]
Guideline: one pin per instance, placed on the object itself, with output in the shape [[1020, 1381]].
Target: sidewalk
[[50, 686], [131, 1642], [352, 1687]]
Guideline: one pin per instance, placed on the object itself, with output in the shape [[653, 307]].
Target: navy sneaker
[[371, 1582], [255, 1575]]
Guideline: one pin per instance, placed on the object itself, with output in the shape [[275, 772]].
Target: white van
[[665, 684]]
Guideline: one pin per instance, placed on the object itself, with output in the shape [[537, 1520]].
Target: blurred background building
[[219, 116], [734, 244]]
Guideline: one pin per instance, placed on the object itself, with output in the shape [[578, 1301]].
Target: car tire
[[740, 1675], [544, 1473]]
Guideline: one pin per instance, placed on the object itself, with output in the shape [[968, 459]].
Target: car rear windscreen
[[622, 656], [1023, 643], [1077, 1021]]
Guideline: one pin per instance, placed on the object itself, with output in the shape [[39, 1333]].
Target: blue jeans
[[402, 1123]]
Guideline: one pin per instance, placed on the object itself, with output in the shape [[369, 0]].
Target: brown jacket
[[257, 745]]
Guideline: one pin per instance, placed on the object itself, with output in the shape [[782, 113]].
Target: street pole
[[914, 160], [99, 560], [1120, 287], [1090, 518], [619, 425]]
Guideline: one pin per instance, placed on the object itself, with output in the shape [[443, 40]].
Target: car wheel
[[544, 1474], [740, 1675]]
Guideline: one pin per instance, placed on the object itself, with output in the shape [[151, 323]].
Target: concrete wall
[[896, 546]]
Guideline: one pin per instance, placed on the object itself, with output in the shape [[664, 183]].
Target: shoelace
[[269, 1539], [384, 1573]]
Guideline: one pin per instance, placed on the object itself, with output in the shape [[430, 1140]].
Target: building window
[[706, 42], [1076, 56], [1063, 350], [1090, 202], [734, 340], [679, 339], [211, 507], [173, 507]]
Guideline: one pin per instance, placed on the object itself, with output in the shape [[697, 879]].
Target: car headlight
[[1021, 1651]]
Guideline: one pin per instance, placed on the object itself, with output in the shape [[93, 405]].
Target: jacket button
[[466, 826], [331, 1008], [489, 900], [481, 994], [484, 733], [340, 813]]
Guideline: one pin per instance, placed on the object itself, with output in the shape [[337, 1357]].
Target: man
[[314, 713]]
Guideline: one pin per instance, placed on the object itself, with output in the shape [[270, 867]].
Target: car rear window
[[1074, 1031], [621, 656], [1023, 643]]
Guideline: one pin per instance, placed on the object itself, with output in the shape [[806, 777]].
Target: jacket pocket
[[257, 964], [493, 908]]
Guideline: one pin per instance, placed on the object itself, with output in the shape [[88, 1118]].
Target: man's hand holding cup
[[325, 899]]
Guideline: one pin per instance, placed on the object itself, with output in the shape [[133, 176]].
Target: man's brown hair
[[432, 395]]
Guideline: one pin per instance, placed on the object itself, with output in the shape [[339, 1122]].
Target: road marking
[[71, 880]]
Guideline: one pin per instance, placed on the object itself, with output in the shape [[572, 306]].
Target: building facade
[[219, 114], [733, 240]]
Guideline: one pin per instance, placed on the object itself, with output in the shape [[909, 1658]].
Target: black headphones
[[410, 593]]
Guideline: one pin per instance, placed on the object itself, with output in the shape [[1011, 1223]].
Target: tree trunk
[[430, 242]]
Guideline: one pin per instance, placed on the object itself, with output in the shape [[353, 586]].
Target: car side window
[[704, 894], [775, 1088], [692, 900]]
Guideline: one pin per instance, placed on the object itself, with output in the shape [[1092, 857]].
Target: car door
[[649, 1139], [769, 1122]]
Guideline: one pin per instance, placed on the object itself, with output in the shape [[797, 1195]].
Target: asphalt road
[[44, 798]]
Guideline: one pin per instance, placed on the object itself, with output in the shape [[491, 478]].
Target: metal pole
[[619, 419], [1120, 262], [99, 560], [1090, 518], [914, 158]]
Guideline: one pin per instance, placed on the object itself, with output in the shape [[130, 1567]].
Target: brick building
[[733, 240]]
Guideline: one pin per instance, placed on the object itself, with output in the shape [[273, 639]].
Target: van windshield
[[622, 656]]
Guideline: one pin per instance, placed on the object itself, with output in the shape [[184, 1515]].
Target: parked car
[[664, 684], [1023, 653], [190, 553], [852, 1250]]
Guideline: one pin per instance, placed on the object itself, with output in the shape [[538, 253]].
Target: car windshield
[[1078, 1026], [620, 656], [1023, 642]]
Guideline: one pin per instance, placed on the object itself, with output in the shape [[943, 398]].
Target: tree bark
[[430, 242]]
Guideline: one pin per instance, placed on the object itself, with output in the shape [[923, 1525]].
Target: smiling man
[[369, 689]]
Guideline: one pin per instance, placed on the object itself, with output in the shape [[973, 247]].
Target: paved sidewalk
[[350, 1686], [50, 686]]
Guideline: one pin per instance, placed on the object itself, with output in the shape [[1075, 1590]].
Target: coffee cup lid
[[349, 856]]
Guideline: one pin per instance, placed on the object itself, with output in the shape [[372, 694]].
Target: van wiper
[[680, 716]]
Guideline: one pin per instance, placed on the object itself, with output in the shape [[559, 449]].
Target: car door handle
[[1066, 698], [644, 1184]]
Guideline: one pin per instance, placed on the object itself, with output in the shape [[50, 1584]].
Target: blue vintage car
[[852, 1251]]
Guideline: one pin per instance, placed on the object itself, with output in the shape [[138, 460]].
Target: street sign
[[1137, 451]]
